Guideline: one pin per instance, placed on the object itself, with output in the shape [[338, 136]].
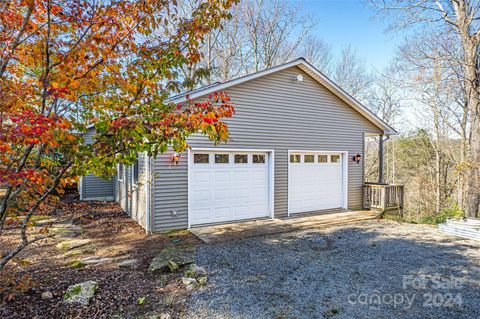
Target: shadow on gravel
[[374, 271]]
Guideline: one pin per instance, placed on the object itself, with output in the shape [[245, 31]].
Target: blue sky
[[343, 22]]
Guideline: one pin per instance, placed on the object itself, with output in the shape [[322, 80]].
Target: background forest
[[421, 92]]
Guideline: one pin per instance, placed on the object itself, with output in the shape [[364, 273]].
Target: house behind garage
[[293, 138]]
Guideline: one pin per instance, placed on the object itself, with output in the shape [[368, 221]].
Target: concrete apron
[[252, 228]]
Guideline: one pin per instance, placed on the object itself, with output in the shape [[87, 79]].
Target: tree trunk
[[473, 96], [470, 44]]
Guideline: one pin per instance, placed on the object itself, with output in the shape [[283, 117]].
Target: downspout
[[80, 187], [148, 195]]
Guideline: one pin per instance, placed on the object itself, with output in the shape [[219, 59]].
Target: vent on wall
[[299, 78]]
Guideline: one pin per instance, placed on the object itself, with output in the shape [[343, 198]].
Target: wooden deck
[[384, 197], [224, 232]]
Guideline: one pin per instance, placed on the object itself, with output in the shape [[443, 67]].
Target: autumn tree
[[66, 65]]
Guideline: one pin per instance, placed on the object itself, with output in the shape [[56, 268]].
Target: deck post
[[381, 178]]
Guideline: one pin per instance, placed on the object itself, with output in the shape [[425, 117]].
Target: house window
[[221, 158], [200, 158], [335, 158], [120, 172], [241, 158], [309, 158], [322, 158], [294, 158], [135, 172], [258, 158]]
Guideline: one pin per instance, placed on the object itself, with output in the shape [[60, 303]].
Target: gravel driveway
[[356, 271]]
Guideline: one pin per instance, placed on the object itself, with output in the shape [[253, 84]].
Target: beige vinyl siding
[[272, 112]]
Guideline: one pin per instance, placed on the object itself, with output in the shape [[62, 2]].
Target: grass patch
[[396, 218], [175, 233], [430, 219]]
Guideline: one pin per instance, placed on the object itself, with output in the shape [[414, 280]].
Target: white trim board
[[345, 158], [271, 174], [311, 71], [148, 194]]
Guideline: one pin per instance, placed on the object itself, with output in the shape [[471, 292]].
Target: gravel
[[340, 273]]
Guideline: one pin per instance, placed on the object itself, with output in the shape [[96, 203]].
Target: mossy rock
[[195, 271], [179, 256], [81, 293], [202, 281], [75, 263]]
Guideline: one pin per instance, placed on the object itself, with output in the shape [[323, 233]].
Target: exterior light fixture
[[175, 158], [299, 78], [357, 158]]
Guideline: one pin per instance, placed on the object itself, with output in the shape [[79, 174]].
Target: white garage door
[[228, 186], [315, 181]]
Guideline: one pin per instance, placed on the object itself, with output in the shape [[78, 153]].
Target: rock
[[191, 287], [66, 235], [41, 221], [188, 281], [195, 271], [74, 243], [67, 232], [80, 293], [74, 263], [90, 249], [47, 295], [129, 263], [179, 256], [95, 260], [173, 266], [202, 280]]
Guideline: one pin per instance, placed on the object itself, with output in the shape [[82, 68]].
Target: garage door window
[[258, 159], [294, 158], [335, 158], [323, 158], [309, 158], [221, 158], [241, 158], [200, 158]]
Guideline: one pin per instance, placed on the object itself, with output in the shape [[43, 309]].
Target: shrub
[[452, 212]]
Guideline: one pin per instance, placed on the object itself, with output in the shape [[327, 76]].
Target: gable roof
[[311, 71]]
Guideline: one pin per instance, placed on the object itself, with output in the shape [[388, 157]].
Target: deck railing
[[383, 196]]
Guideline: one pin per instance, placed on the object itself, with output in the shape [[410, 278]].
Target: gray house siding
[[96, 188], [132, 197], [93, 187], [272, 112]]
